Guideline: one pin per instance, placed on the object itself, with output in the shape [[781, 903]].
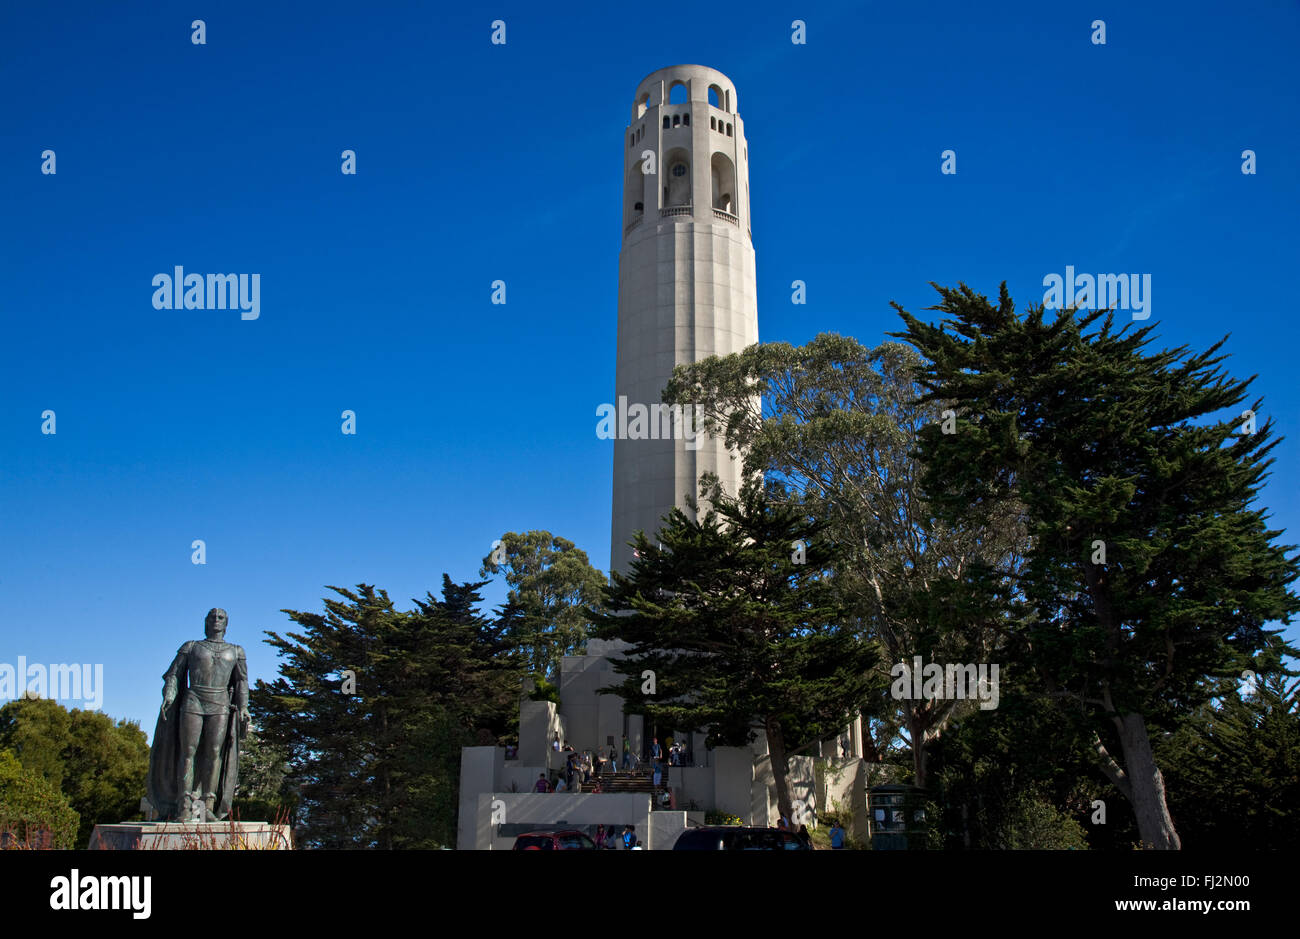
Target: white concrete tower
[[686, 287]]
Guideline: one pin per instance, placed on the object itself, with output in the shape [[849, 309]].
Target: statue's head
[[215, 624]]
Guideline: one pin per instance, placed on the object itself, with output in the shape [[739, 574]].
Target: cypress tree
[[741, 631], [1151, 573]]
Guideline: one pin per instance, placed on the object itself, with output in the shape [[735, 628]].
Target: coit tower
[[686, 286]]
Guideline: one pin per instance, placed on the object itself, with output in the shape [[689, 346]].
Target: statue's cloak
[[163, 788], [164, 782]]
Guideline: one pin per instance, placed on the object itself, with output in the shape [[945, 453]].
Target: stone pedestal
[[191, 836]]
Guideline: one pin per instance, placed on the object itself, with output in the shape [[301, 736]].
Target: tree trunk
[[1147, 787], [916, 730], [777, 756], [386, 782], [1141, 783]]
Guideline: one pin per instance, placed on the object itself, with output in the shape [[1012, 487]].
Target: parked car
[[736, 838], [564, 839]]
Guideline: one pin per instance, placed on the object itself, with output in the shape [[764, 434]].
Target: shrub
[[1033, 823], [721, 818], [33, 813]]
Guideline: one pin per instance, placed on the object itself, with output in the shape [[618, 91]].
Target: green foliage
[[1233, 769], [265, 790], [843, 813], [379, 766], [1031, 823], [544, 690], [833, 425], [37, 731], [722, 818], [552, 587], [1102, 442], [738, 633], [99, 764], [30, 805], [1000, 776]]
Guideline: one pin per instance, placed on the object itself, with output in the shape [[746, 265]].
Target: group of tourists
[[673, 755], [607, 839], [605, 759], [805, 839], [585, 771]]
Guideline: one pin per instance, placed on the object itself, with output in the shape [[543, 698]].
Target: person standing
[[837, 836]]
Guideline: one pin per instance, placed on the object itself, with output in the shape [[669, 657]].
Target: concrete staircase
[[635, 781]]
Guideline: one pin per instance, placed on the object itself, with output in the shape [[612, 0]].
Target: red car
[[565, 839]]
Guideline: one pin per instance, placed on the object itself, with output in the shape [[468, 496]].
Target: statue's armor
[[211, 664]]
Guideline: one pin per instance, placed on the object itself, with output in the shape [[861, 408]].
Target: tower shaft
[[686, 286]]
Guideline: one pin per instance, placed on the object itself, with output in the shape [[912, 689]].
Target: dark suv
[[734, 838], [566, 839]]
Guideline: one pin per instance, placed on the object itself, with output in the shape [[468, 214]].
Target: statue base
[[191, 836]]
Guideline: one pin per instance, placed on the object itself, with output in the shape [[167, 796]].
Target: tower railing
[[727, 216], [669, 211], [633, 224]]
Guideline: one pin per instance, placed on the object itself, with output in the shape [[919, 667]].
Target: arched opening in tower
[[723, 172]]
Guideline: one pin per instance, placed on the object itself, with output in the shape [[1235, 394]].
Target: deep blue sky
[[479, 162]]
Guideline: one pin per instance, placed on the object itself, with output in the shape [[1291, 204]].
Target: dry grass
[[231, 838], [32, 839]]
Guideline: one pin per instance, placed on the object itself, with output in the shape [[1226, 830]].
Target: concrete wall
[[635, 736], [693, 783], [664, 829], [478, 766], [539, 722], [800, 779], [522, 778], [609, 713], [733, 774], [803, 785], [589, 717], [850, 738], [563, 809], [845, 784]]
